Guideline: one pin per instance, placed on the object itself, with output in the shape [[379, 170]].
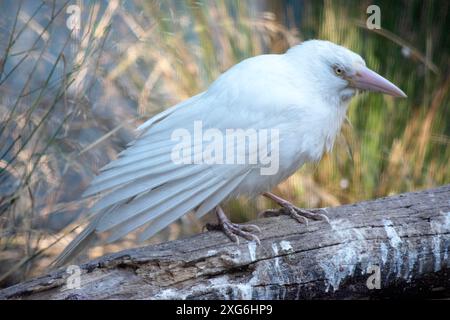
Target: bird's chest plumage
[[309, 135], [305, 135]]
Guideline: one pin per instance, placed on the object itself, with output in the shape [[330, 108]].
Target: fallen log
[[396, 246]]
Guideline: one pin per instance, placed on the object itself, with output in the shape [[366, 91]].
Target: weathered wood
[[407, 236]]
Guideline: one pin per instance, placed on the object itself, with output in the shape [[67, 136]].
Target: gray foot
[[234, 230]]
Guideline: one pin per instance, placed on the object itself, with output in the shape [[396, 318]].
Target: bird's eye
[[338, 70]]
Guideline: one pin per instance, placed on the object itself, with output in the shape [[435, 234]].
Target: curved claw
[[256, 239], [251, 227], [232, 237], [239, 230], [251, 237], [323, 217]]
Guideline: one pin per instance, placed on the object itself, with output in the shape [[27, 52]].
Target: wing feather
[[147, 154], [162, 221], [162, 115], [157, 199], [178, 205], [143, 185], [218, 196]]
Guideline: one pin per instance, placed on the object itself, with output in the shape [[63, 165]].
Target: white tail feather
[[156, 200]]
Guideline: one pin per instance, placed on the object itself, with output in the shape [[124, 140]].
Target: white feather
[[160, 116], [158, 199], [296, 93], [218, 196], [163, 220], [178, 205], [143, 185]]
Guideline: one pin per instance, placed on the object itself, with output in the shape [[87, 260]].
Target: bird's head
[[340, 71]]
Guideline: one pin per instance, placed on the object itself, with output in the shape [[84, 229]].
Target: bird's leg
[[233, 230], [299, 214]]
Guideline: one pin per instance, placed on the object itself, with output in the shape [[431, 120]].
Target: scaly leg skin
[[233, 230], [301, 215]]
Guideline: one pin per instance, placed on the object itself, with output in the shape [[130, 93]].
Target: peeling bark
[[405, 237]]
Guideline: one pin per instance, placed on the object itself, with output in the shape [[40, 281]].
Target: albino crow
[[251, 129]]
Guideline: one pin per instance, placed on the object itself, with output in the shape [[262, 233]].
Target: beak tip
[[372, 81], [401, 94]]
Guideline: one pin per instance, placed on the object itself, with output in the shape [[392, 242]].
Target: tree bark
[[403, 239]]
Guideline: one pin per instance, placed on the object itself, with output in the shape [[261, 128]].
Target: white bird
[[302, 94]]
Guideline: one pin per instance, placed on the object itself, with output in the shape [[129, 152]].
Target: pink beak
[[366, 79]]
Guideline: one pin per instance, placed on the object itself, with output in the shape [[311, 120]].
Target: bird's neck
[[327, 108], [334, 125], [332, 113]]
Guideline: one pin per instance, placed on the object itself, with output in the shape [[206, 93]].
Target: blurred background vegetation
[[69, 100]]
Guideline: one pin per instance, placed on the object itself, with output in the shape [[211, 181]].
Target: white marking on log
[[446, 227], [423, 253], [222, 285], [349, 254], [394, 239], [436, 249], [440, 226], [242, 291], [412, 258], [396, 243], [278, 275], [277, 259], [286, 246], [275, 248], [384, 253], [169, 294], [446, 253], [252, 250]]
